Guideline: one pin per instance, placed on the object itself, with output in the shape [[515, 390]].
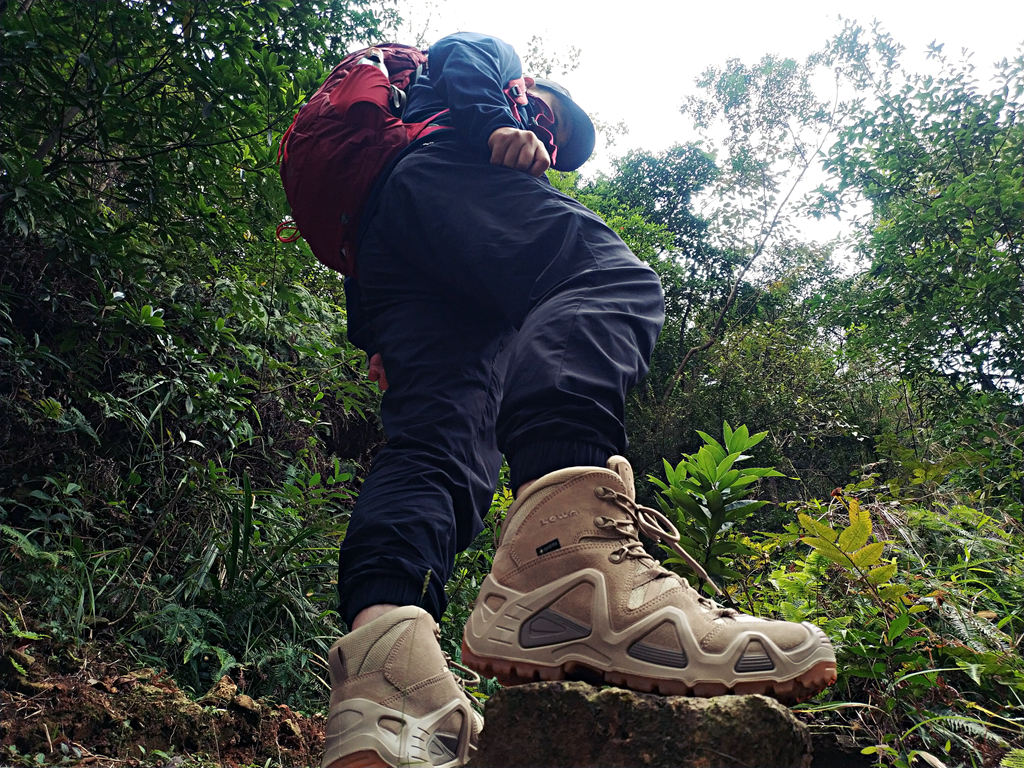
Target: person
[[505, 318]]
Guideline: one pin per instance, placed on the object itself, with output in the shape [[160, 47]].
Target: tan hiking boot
[[394, 700], [572, 593]]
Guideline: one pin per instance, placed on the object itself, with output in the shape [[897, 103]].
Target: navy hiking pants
[[511, 320]]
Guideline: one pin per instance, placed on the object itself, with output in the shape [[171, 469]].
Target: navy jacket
[[470, 74]]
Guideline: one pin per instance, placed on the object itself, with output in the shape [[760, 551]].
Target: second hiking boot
[[573, 594], [394, 699]]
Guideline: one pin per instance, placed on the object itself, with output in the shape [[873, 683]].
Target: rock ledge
[[549, 725]]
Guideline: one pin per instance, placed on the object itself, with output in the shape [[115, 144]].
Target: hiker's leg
[[586, 310], [432, 482], [393, 698], [581, 347]]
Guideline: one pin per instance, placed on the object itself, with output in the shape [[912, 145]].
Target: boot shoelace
[[654, 524], [468, 676]]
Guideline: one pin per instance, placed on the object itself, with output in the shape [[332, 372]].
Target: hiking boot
[[573, 594], [394, 700]]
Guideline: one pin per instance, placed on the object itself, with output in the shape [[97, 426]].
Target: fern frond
[[967, 726], [979, 635], [1013, 759]]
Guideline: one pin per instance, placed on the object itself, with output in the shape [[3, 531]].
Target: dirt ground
[[61, 705]]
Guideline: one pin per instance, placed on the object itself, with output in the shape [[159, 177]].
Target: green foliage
[[861, 560], [938, 160], [179, 488], [172, 391], [705, 495], [661, 188], [922, 621], [115, 108]]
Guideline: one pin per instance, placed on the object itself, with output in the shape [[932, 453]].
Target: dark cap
[[581, 145]]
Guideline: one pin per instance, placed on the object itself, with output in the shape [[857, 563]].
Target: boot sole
[[492, 645], [811, 682], [369, 745]]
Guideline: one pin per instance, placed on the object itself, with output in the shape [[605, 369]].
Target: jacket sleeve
[[470, 73]]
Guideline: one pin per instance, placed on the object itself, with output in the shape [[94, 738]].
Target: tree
[[158, 116], [939, 162], [732, 204]]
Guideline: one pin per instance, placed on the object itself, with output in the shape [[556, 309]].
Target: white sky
[[640, 57]]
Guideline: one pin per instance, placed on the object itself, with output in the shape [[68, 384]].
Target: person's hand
[[521, 150], [377, 372]]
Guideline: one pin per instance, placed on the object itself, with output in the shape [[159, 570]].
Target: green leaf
[[713, 447], [1013, 759], [893, 592], [754, 440], [688, 486], [740, 439], [740, 510], [828, 549], [725, 465], [858, 532], [881, 574], [817, 528], [707, 464], [868, 555], [898, 626]]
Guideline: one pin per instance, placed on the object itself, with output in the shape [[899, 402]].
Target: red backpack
[[340, 141]]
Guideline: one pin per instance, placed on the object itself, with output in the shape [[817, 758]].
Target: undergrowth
[[919, 588], [179, 458], [923, 602]]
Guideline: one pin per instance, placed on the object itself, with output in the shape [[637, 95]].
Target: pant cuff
[[537, 459], [362, 593]]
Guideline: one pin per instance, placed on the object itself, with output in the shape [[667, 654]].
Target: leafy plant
[[706, 495], [919, 657], [860, 560]]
